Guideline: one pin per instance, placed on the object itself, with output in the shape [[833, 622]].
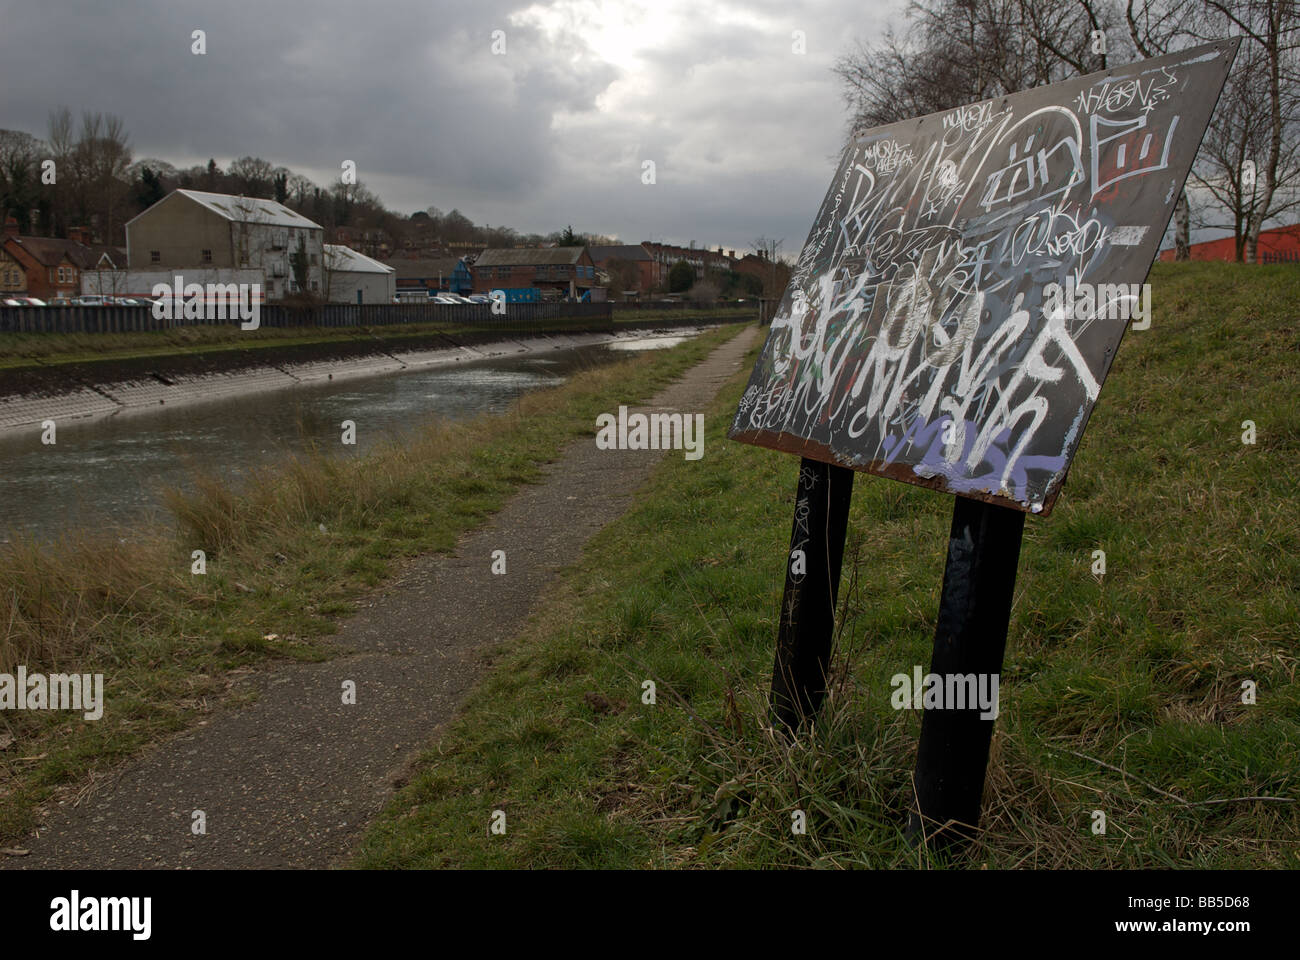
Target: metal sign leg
[[979, 580], [812, 580]]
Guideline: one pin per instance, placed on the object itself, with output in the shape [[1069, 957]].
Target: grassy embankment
[[1121, 693], [34, 350], [287, 556]]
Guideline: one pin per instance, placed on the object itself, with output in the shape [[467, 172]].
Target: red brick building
[[650, 273], [52, 267], [772, 274], [556, 271], [1279, 245], [703, 260]]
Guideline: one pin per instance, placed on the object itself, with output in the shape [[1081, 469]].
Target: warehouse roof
[[243, 209], [528, 257], [339, 257]]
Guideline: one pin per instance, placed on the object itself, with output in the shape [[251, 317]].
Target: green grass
[[629, 314], [1120, 693], [35, 350], [288, 554]]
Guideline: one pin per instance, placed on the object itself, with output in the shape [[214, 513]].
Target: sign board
[[968, 278]]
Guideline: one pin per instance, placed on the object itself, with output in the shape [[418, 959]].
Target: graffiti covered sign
[[969, 276]]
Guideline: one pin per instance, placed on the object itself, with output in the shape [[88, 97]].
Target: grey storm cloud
[[743, 132]]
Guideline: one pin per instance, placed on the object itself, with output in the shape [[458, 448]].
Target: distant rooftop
[[501, 257], [339, 257], [626, 251], [246, 209]]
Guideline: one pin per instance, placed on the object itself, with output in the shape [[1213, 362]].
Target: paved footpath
[[292, 779]]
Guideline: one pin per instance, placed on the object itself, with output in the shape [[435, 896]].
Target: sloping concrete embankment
[[76, 393]]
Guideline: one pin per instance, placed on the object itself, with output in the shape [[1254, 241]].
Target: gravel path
[[292, 779]]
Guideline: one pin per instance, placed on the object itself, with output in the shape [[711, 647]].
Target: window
[[207, 256], [155, 256]]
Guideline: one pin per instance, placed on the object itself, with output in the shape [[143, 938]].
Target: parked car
[[479, 298], [19, 300], [58, 302], [88, 301]]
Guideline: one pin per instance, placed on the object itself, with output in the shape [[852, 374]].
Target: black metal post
[[812, 581], [979, 580]]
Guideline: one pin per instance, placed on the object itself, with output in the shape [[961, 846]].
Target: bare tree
[[1157, 27], [1268, 130], [253, 176], [957, 51], [1224, 166], [961, 51]]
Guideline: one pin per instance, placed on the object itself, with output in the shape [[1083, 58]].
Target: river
[[112, 470]]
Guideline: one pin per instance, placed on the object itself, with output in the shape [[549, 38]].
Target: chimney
[[11, 226], [79, 234]]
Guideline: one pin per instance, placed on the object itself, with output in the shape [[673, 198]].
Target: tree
[[681, 277], [252, 177], [101, 185], [457, 226], [707, 289], [1157, 27], [1271, 127], [570, 239], [301, 266], [148, 189], [960, 51], [20, 192], [623, 275]]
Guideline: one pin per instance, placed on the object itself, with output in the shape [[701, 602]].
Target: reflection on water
[[647, 343], [113, 469]]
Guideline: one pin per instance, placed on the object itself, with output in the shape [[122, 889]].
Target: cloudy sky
[[743, 131]]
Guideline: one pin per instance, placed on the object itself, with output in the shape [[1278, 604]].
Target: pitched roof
[[243, 209], [502, 257], [626, 251], [97, 251], [51, 251], [339, 257]]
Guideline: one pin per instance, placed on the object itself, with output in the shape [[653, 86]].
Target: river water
[[112, 470]]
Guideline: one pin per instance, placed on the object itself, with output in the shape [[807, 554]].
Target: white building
[[216, 231], [355, 278]]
